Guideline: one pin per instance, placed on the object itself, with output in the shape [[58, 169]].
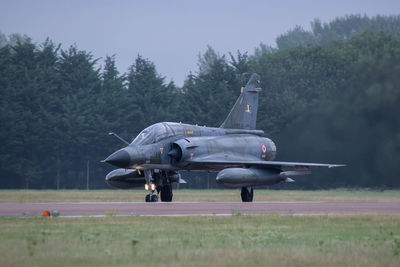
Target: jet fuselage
[[173, 146]]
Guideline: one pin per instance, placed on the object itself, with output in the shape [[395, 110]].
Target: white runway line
[[151, 215]]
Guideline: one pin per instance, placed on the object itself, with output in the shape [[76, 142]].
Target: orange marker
[[46, 213]]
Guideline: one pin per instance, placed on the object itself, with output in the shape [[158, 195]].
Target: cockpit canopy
[[157, 132]]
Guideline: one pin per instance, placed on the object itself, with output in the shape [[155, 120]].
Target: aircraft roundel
[[263, 149]]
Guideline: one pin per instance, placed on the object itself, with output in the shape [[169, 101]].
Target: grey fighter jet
[[241, 155]]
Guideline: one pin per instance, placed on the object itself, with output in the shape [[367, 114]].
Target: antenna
[[120, 138]]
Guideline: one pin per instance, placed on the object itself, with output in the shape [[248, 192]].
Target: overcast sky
[[171, 33]]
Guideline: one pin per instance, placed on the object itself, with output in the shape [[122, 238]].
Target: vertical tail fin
[[243, 115]]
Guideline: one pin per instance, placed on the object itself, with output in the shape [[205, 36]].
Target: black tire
[[246, 195], [166, 193], [151, 198], [154, 198]]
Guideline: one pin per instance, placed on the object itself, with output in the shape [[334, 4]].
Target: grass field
[[237, 240], [25, 196], [268, 240]]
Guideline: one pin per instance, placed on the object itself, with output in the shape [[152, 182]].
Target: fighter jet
[[242, 155]]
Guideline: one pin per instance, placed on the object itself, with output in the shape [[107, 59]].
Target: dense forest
[[331, 94]]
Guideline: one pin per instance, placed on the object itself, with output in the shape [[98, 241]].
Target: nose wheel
[[151, 198]]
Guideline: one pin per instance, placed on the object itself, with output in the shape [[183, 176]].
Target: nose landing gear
[[151, 197]]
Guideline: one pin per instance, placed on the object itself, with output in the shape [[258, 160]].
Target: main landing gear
[[166, 193], [247, 194]]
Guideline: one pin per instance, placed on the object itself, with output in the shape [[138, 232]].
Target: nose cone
[[119, 158]]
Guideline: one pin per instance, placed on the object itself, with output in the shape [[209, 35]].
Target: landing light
[[151, 187]]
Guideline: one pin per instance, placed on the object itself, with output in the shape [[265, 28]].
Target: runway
[[99, 209]]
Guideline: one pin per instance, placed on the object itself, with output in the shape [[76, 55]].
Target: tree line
[[328, 95]]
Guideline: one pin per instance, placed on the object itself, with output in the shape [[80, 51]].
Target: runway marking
[[151, 215], [201, 215]]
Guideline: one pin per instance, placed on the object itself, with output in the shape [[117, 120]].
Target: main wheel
[[166, 193], [247, 194]]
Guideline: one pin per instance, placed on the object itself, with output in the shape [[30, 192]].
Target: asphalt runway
[[100, 209]]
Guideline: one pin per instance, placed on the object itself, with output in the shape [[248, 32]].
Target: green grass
[[268, 240], [26, 196], [237, 240]]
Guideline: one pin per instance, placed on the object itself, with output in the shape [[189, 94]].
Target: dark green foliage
[[57, 108], [340, 29], [209, 95], [329, 95], [154, 101], [296, 37], [355, 119]]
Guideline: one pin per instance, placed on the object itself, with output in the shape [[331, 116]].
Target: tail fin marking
[[243, 115]]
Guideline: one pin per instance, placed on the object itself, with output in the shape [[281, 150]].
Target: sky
[[171, 33]]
